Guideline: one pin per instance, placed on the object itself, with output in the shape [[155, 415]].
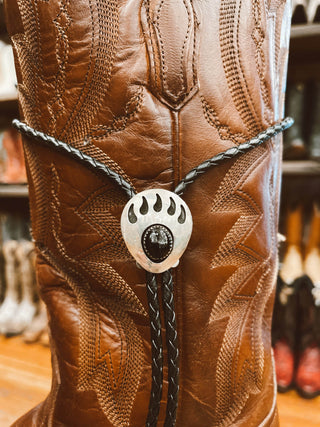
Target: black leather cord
[[156, 350], [167, 282], [232, 152], [152, 290], [172, 348], [187, 180], [76, 154]]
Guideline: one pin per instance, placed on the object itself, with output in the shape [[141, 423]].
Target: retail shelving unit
[[301, 178], [13, 197], [301, 167], [305, 30], [13, 190], [304, 65]]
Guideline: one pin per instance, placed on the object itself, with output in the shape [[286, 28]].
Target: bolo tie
[[156, 225]]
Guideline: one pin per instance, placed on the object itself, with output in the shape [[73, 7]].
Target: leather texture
[[152, 88]]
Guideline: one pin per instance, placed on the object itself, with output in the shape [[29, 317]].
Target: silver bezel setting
[[156, 207]]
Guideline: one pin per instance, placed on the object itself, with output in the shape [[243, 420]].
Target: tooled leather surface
[[152, 88], [171, 35]]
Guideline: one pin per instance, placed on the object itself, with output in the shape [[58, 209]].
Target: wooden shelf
[[14, 190], [305, 30], [301, 167], [11, 98]]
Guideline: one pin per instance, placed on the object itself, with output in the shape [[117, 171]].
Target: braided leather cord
[[152, 289], [167, 281], [156, 350], [172, 348], [232, 152], [90, 162], [183, 184]]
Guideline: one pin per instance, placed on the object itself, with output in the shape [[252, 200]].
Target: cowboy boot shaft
[[151, 89]]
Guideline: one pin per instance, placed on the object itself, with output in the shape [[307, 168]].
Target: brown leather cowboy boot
[[150, 89]]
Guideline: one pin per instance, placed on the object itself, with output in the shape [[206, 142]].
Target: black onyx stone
[[157, 242]]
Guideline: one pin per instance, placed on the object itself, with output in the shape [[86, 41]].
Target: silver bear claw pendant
[[156, 226]]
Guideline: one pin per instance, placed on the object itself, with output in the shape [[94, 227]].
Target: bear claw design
[[156, 226]]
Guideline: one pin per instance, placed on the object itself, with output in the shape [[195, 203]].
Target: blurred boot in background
[[2, 279], [292, 265], [312, 257], [308, 371], [284, 316], [294, 140], [284, 326], [8, 80], [313, 11], [37, 330], [307, 377], [299, 11], [314, 140], [27, 308], [15, 171], [10, 304]]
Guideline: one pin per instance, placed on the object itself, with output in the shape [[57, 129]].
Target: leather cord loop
[[76, 154], [151, 280], [233, 152]]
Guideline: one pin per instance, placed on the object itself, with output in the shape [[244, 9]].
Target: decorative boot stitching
[[232, 394], [96, 153], [172, 88], [27, 93], [104, 39], [168, 305], [106, 199], [92, 163], [56, 105], [224, 131], [115, 392], [132, 108], [46, 414], [28, 50], [38, 194], [258, 36], [229, 25], [272, 418]]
